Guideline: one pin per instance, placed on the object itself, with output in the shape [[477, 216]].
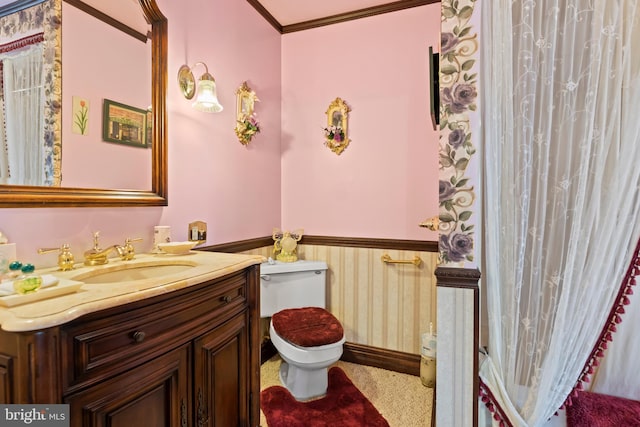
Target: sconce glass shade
[[207, 97]]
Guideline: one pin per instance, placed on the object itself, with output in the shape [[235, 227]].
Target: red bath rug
[[601, 410], [343, 406]]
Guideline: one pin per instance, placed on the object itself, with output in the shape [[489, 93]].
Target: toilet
[[308, 338]]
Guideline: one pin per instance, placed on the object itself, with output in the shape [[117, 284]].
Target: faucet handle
[[65, 257], [96, 237], [128, 251]]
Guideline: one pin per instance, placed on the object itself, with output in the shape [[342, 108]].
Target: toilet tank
[[292, 285]]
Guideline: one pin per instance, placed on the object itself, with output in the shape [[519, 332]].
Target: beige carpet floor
[[401, 399]]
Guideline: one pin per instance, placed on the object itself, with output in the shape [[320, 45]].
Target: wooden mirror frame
[[22, 196]]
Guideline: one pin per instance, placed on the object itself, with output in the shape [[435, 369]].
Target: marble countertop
[[98, 296]]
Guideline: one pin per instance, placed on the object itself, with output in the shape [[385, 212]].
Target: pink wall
[[385, 182], [212, 177], [382, 186]]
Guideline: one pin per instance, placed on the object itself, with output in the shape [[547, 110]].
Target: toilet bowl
[[308, 338]]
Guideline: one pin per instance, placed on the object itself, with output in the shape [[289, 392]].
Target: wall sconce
[[206, 97]]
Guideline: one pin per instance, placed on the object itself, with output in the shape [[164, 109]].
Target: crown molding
[[335, 19]]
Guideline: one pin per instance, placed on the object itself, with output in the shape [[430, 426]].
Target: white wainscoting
[[455, 368]]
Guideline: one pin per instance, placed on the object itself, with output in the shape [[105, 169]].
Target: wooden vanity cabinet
[[186, 358]]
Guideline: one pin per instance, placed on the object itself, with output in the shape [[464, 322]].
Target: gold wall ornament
[[246, 124], [336, 135], [432, 223], [285, 244]]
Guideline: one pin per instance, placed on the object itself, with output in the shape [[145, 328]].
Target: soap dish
[[63, 287], [177, 248]]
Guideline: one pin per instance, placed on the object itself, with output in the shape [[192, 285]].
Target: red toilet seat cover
[[308, 326]]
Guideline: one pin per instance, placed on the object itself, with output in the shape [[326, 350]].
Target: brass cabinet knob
[[138, 336]]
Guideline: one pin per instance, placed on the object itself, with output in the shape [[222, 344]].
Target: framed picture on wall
[[124, 124]]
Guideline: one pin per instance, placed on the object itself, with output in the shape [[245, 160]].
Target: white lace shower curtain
[[561, 149], [23, 139]]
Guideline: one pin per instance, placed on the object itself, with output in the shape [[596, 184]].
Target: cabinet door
[[221, 382], [156, 393]]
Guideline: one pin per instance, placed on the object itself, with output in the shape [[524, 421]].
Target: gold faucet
[[98, 256], [65, 257]]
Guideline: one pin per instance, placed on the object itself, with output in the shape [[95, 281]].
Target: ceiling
[[288, 12], [127, 12], [288, 15]]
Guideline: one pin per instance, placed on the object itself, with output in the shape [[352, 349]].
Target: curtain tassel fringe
[[615, 318], [494, 408]]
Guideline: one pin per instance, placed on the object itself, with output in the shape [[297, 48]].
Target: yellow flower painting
[[80, 112]]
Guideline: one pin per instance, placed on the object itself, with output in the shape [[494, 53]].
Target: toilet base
[[304, 384]]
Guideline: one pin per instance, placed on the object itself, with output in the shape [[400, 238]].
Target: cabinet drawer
[[115, 340]]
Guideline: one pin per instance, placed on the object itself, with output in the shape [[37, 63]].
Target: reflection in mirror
[[123, 70], [82, 186], [30, 94]]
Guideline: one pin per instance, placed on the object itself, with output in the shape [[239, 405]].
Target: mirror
[[76, 196]]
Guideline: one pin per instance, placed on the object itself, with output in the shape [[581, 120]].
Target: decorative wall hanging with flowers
[[246, 123], [335, 134]]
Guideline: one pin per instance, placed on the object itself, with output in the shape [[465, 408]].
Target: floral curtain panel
[[562, 193]]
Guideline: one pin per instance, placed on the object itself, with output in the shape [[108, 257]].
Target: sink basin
[[132, 272]]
